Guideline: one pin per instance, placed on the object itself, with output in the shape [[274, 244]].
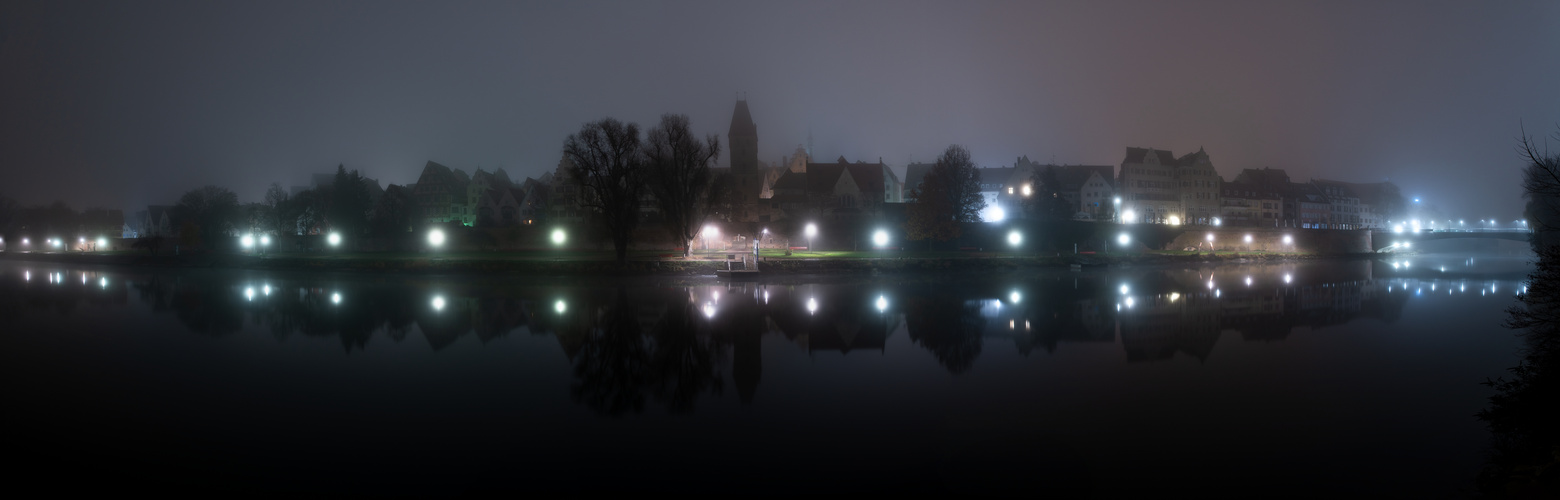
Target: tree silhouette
[[949, 196], [679, 168], [608, 165]]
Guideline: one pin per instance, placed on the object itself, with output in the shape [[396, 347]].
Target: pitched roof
[[742, 122], [821, 177], [790, 180], [1190, 159], [1072, 177], [995, 175], [1265, 175], [1139, 155], [915, 172]]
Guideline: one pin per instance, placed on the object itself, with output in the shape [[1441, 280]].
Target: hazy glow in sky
[[128, 103]]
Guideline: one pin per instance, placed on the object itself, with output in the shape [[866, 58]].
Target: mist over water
[[1146, 380]]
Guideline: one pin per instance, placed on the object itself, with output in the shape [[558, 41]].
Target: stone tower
[[743, 139]]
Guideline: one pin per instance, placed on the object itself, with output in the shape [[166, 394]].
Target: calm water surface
[[1355, 376]]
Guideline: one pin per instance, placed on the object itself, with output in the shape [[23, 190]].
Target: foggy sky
[[122, 104]]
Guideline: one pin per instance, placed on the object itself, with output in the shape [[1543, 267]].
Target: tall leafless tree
[[609, 167], [1541, 187], [679, 167]]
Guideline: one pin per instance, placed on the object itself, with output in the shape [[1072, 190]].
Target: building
[[1346, 210], [1200, 187], [1250, 204], [441, 194], [1148, 186], [837, 191]]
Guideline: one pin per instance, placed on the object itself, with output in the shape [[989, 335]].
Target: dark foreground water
[[1353, 376]]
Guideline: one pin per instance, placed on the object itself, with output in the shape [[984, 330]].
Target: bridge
[[1391, 240]]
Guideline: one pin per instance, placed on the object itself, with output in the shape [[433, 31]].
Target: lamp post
[[812, 230]]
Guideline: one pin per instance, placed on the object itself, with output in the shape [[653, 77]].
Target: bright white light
[[1014, 238], [1124, 289], [1014, 297], [812, 305], [1397, 229], [102, 242], [1175, 221], [1123, 239], [247, 241], [1174, 296], [715, 295], [249, 293], [266, 290], [1248, 238], [1248, 281], [711, 232], [1027, 190], [1407, 245], [997, 214], [436, 237], [560, 306], [1210, 237], [880, 238], [265, 240], [558, 237], [26, 275], [882, 303], [1288, 240], [103, 282], [1128, 215], [438, 302], [709, 310], [334, 239], [24, 241], [335, 298], [1210, 283], [812, 230], [1288, 278], [1216, 221], [1129, 302]]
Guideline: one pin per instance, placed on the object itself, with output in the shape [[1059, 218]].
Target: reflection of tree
[[202, 309], [947, 326], [613, 364], [683, 364]]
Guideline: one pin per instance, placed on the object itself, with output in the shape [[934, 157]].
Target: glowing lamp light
[[335, 298], [1014, 297], [880, 238], [1248, 238], [265, 240], [436, 237], [709, 310], [1288, 278], [1027, 190], [1123, 239], [1289, 240], [249, 293], [812, 305], [102, 242], [247, 241], [334, 239], [1175, 221], [1128, 216], [1124, 289], [1014, 238], [882, 303], [812, 230], [558, 237], [560, 306], [997, 214], [1210, 237], [438, 303]]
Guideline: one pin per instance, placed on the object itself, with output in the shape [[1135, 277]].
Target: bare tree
[[1541, 187], [679, 168], [608, 165]]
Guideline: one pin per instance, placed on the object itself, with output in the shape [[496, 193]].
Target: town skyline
[[1420, 95]]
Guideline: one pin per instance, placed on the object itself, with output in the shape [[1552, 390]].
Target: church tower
[[743, 139]]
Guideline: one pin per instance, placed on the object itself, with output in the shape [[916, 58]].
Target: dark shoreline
[[512, 266]]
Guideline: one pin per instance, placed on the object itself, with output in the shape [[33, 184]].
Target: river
[[1303, 378]]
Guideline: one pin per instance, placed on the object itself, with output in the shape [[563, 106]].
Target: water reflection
[[634, 344]]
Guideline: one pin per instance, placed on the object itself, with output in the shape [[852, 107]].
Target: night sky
[[121, 104]]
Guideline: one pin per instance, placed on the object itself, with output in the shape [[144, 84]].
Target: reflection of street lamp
[[812, 230], [1116, 214]]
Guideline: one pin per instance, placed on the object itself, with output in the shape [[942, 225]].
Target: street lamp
[[248, 241], [436, 238], [558, 236], [334, 239], [1014, 238], [1123, 239], [812, 230], [880, 238]]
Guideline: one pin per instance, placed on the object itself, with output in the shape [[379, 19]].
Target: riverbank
[[650, 265]]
